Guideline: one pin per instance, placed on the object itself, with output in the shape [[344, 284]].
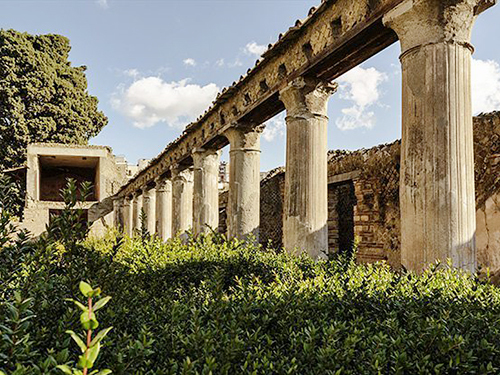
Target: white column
[[149, 206], [164, 208], [437, 157], [127, 216], [137, 209], [305, 222], [182, 200], [243, 207], [206, 190]]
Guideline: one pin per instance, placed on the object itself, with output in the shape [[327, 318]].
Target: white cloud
[[253, 48], [189, 62], [362, 87], [134, 73], [235, 64], [102, 3], [275, 127], [150, 100], [220, 62], [485, 86]]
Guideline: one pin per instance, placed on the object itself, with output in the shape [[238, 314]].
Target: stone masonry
[[48, 167], [374, 175]]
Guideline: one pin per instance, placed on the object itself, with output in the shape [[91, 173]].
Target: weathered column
[[206, 190], [243, 206], [182, 200], [437, 158], [164, 208], [127, 216], [118, 213], [305, 227], [149, 207], [137, 209]]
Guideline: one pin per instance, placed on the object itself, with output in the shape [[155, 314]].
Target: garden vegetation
[[210, 306]]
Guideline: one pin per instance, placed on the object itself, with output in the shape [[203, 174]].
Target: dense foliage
[[214, 307], [42, 97]]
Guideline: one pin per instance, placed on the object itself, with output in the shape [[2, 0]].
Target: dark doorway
[[341, 202]]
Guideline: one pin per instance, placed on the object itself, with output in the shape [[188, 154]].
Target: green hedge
[[215, 307]]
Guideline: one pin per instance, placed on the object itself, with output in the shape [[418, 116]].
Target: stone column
[[127, 216], [305, 227], [149, 206], [164, 208], [118, 213], [437, 157], [137, 209], [243, 208], [182, 200], [206, 190]]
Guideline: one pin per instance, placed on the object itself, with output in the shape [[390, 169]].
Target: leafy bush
[[211, 307]]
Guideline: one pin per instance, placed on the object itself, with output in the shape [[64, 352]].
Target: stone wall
[[374, 175]]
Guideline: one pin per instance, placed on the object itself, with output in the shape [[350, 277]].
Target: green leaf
[[92, 355], [64, 368], [80, 305], [89, 321], [86, 289], [102, 334], [101, 303], [78, 340], [105, 372], [82, 362]]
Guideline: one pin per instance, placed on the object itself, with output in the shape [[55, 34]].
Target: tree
[[42, 97]]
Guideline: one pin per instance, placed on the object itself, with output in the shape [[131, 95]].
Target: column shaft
[[206, 191], [182, 200], [305, 227], [437, 158], [149, 206], [164, 208], [137, 210], [243, 214], [127, 216], [118, 213]]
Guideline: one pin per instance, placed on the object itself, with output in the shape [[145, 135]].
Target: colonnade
[[437, 166]]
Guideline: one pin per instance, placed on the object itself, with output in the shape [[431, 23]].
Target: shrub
[[211, 307]]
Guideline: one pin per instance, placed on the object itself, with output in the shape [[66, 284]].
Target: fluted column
[[149, 206], [164, 208], [206, 190], [305, 219], [437, 157], [182, 200], [137, 209], [244, 182], [127, 216], [118, 213]]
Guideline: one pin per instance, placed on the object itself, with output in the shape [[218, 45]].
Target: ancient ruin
[[47, 170], [436, 210]]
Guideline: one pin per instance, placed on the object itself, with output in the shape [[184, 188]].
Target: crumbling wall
[[376, 222], [487, 166], [272, 191]]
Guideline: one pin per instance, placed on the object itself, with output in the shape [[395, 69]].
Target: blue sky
[[155, 65]]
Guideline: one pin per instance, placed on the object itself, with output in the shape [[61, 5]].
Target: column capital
[[422, 22], [306, 95], [244, 138], [178, 172], [163, 184], [201, 153]]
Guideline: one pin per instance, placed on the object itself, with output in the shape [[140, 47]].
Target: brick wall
[[374, 176]]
